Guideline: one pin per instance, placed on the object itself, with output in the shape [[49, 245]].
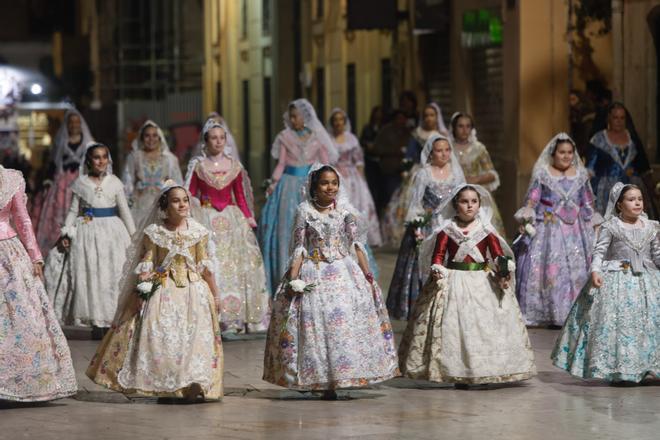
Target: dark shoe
[[461, 386], [329, 395]]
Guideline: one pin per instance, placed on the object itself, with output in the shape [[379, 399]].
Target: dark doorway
[[653, 20]]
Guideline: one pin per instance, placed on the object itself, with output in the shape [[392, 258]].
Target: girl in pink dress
[[351, 167], [220, 182], [53, 203], [35, 363]]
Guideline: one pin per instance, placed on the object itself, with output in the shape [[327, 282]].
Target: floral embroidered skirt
[[336, 336], [466, 330], [35, 362], [51, 208], [612, 333], [241, 277], [170, 349]]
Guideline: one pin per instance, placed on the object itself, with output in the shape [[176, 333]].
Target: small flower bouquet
[[88, 215], [266, 184], [146, 289], [529, 229], [299, 286], [505, 266], [419, 222], [206, 202]]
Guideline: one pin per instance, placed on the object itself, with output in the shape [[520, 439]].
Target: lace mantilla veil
[[62, 140], [82, 168]]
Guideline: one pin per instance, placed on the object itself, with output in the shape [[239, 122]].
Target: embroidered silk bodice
[[13, 210], [609, 159], [428, 193], [297, 152], [179, 256], [350, 152], [563, 197], [145, 175], [452, 244], [220, 190], [324, 236], [620, 246]]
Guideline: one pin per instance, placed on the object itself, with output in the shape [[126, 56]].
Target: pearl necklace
[[323, 207]]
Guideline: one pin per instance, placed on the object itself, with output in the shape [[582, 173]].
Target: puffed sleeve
[[239, 195], [194, 184], [281, 162], [128, 176], [125, 212], [202, 255], [357, 155], [603, 240], [149, 250], [298, 236], [487, 167], [494, 246], [416, 194], [352, 230], [175, 169], [587, 209], [23, 225], [655, 248], [527, 213], [441, 243], [69, 229]]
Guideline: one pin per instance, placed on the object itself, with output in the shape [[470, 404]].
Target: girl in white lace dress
[[97, 231], [329, 327], [165, 340]]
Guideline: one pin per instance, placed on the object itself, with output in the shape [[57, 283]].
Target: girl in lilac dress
[[557, 222], [35, 362], [351, 167], [302, 142]]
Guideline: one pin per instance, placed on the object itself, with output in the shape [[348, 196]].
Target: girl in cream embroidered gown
[[466, 328], [35, 363], [338, 335], [612, 332], [225, 199], [170, 344]]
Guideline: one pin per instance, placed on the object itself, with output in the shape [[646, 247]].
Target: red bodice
[[445, 246], [220, 198]]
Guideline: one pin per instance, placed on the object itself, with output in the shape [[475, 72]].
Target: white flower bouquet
[[299, 286]]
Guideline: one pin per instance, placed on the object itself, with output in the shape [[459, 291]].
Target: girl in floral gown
[[431, 184], [52, 204], [96, 233], [553, 260], [351, 167], [220, 182], [333, 331], [303, 141], [149, 165], [165, 340], [396, 211], [613, 329], [35, 363], [466, 327], [475, 160]]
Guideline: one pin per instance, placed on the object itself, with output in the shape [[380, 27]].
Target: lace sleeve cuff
[[492, 186], [144, 267], [205, 265], [525, 214], [68, 231]]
